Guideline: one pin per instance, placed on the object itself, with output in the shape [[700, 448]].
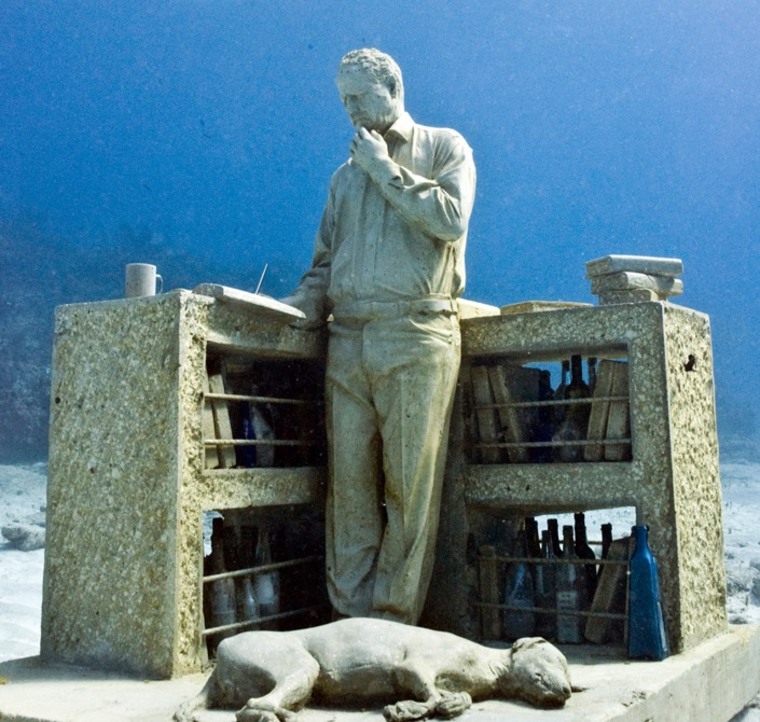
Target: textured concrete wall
[[672, 479], [698, 525], [127, 483], [114, 472]]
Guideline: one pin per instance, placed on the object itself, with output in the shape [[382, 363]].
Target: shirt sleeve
[[440, 206]]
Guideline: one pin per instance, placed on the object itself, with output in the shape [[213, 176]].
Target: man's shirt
[[401, 236]]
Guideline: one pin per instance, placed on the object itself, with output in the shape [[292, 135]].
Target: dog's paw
[[453, 704], [406, 711], [263, 713]]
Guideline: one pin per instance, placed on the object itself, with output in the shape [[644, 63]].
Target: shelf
[[237, 488], [553, 487]]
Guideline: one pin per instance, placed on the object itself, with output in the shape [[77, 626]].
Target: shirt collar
[[402, 127]]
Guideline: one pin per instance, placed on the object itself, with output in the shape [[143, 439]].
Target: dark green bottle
[[584, 551]]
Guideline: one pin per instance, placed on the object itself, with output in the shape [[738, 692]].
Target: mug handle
[[160, 282]]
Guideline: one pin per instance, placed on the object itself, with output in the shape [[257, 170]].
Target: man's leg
[[353, 512], [416, 366]]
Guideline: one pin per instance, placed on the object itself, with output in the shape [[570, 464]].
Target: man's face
[[369, 104]]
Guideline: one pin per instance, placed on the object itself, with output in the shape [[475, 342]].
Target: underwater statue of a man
[[388, 266]]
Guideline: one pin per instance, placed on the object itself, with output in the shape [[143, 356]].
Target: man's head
[[371, 89]]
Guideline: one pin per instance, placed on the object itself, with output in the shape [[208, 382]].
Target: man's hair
[[381, 67]]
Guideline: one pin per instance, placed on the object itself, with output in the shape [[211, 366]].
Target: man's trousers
[[390, 385]]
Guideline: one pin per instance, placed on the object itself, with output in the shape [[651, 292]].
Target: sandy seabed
[[22, 496]]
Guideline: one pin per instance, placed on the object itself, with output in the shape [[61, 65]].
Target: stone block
[[626, 280], [638, 264]]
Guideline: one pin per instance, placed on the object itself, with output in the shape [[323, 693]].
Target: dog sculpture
[[272, 675]]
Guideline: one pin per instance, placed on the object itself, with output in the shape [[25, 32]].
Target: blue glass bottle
[[647, 638]]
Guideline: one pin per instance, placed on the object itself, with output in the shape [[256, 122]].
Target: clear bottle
[[545, 585], [647, 637], [569, 593], [519, 620], [266, 584], [221, 591], [248, 607]]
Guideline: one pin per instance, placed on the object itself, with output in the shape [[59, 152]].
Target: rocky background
[[39, 271]]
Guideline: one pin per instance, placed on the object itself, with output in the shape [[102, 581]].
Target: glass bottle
[[545, 419], [552, 526], [532, 542], [266, 584], [221, 591], [647, 637], [559, 394], [569, 593], [248, 608], [584, 551], [519, 620], [591, 363], [546, 623], [606, 540], [247, 454], [574, 426]]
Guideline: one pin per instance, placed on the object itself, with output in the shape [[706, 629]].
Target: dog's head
[[538, 673]]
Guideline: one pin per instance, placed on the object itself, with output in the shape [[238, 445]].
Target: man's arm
[[311, 294], [440, 206]]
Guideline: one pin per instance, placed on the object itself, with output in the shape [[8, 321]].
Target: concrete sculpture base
[[710, 683]]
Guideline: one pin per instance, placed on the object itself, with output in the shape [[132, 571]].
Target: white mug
[[141, 279]]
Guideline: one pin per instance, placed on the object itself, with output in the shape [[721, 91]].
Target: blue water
[[209, 130]]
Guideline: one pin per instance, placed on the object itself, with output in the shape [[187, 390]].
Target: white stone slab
[[257, 303], [637, 264]]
